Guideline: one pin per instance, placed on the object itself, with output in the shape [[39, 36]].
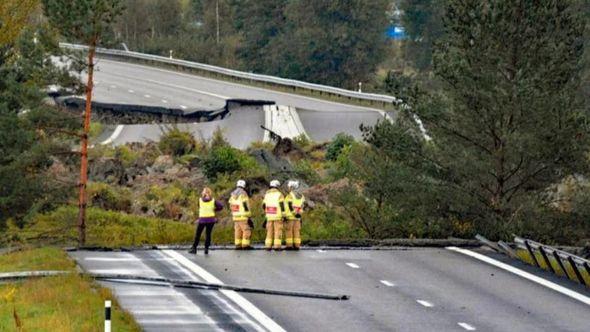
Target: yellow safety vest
[[206, 209], [236, 204], [272, 200], [296, 201]]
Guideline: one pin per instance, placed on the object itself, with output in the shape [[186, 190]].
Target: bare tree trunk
[[82, 199]]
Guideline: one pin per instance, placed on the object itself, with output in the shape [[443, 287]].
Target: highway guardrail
[[251, 78], [555, 260]]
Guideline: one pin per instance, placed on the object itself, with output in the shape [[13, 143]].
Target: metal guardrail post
[[547, 261], [576, 271], [532, 253], [556, 255]]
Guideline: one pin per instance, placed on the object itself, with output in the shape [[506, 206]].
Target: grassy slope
[[65, 303], [116, 229]]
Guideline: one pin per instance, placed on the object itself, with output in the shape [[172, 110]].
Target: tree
[[261, 22], [423, 23], [85, 21], [32, 134], [337, 43], [508, 122]]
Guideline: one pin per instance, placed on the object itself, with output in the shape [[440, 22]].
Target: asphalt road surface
[[126, 83], [417, 289]]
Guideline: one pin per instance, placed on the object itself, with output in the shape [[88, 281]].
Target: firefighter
[[293, 209], [274, 209], [239, 203], [208, 207]]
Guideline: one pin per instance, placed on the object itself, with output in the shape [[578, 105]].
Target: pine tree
[[86, 21], [508, 122]]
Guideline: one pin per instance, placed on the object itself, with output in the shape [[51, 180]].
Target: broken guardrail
[[221, 72], [160, 281], [557, 261]]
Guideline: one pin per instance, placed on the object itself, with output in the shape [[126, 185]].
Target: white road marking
[[163, 312], [238, 299], [320, 250], [114, 135], [387, 283], [467, 326], [183, 107], [165, 101], [354, 266], [131, 91], [113, 86], [526, 275], [112, 259], [250, 87], [147, 96], [425, 303]]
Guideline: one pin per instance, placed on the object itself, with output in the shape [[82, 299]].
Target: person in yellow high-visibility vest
[[274, 209], [293, 209], [208, 207], [239, 204]]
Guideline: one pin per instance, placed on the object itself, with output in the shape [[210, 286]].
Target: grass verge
[[64, 303], [117, 229]]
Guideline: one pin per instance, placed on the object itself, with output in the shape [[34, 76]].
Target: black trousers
[[208, 229]]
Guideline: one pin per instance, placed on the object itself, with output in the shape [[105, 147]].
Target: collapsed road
[[118, 83], [402, 289]]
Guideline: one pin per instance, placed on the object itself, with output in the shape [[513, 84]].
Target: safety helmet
[[293, 184], [275, 184], [241, 184]]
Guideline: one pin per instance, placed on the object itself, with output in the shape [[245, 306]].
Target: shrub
[[126, 155], [104, 196], [177, 142], [305, 171], [338, 143], [221, 160], [302, 141]]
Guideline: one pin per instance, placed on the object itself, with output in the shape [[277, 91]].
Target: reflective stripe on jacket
[[272, 202], [238, 211], [296, 201]]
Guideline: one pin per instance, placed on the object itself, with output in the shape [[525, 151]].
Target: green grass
[[105, 228], [526, 257], [64, 303], [48, 258]]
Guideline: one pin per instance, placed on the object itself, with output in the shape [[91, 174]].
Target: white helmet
[[293, 184], [241, 184], [275, 184]]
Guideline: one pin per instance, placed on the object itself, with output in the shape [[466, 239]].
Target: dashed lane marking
[[354, 266], [131, 91], [526, 275], [320, 250], [113, 86], [147, 96], [183, 107], [425, 303], [467, 326], [165, 101], [387, 283]]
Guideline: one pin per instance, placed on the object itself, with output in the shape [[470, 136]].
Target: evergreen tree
[[337, 43], [86, 21], [31, 132], [508, 122]]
